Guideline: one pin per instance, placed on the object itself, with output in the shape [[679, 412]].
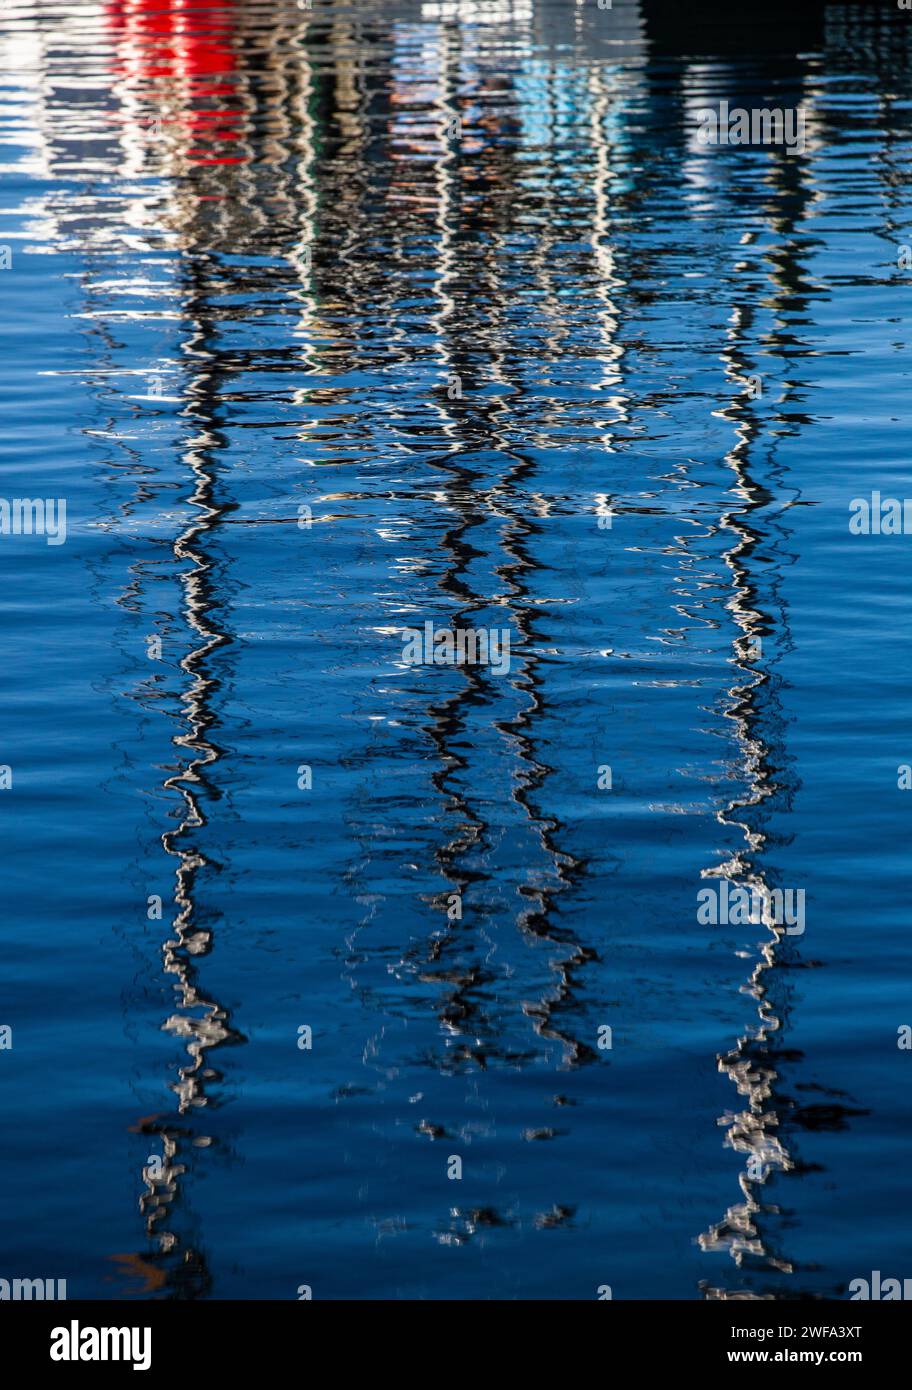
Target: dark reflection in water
[[457, 281], [198, 1019]]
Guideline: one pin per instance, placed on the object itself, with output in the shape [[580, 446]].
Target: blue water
[[508, 367]]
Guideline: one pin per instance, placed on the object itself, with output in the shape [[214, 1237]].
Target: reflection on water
[[456, 282]]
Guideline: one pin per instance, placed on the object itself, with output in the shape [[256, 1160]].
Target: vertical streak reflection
[[176, 67], [751, 1065]]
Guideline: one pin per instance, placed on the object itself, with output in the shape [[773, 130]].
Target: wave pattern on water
[[331, 322]]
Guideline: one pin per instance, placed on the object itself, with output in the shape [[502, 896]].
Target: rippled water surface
[[330, 322]]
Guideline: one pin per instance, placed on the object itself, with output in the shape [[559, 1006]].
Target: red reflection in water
[[179, 57]]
